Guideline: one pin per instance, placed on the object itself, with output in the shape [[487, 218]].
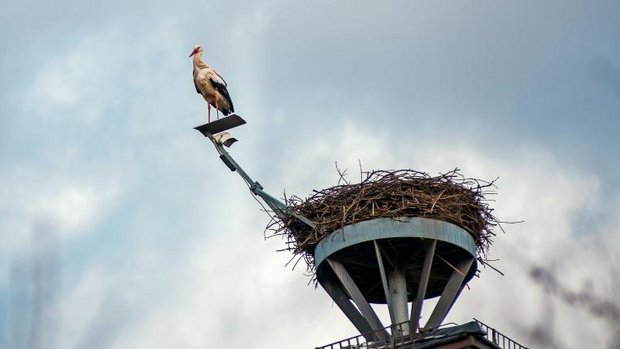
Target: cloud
[[229, 280], [534, 185], [74, 205], [161, 244], [604, 72]]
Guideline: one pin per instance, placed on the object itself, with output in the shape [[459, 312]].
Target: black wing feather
[[221, 88]]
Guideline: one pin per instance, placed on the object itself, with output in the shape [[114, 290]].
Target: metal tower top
[[394, 261]]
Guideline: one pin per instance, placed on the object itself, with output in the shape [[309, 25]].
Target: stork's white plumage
[[210, 85]]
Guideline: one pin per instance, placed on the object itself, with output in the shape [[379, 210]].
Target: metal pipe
[[277, 206], [398, 298], [416, 306], [384, 281]]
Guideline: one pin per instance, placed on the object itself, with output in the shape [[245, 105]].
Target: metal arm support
[[278, 207]]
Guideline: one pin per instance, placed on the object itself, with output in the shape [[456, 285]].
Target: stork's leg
[[208, 112], [217, 109]]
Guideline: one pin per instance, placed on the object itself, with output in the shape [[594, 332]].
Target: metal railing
[[498, 338], [401, 336]]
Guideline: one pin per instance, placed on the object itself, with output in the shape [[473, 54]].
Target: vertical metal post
[[398, 297]]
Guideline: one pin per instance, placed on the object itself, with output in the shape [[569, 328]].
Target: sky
[[120, 228]]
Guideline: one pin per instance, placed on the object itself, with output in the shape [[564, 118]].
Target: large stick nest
[[448, 197]]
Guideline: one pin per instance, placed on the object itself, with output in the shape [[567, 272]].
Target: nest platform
[[397, 194]]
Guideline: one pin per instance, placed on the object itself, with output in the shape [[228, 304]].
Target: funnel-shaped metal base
[[395, 262]]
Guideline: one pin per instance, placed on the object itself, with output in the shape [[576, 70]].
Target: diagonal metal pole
[[278, 207], [416, 306], [450, 293], [384, 281], [358, 298], [352, 313]]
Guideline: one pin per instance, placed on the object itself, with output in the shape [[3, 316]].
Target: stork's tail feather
[[230, 110]]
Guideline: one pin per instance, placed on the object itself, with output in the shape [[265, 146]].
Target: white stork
[[210, 85]]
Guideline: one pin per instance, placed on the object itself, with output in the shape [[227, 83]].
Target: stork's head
[[196, 49]]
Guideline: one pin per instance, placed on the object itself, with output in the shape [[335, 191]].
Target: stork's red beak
[[194, 51]]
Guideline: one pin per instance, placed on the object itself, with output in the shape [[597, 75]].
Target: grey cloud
[[606, 73], [436, 77], [34, 290], [105, 326]]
